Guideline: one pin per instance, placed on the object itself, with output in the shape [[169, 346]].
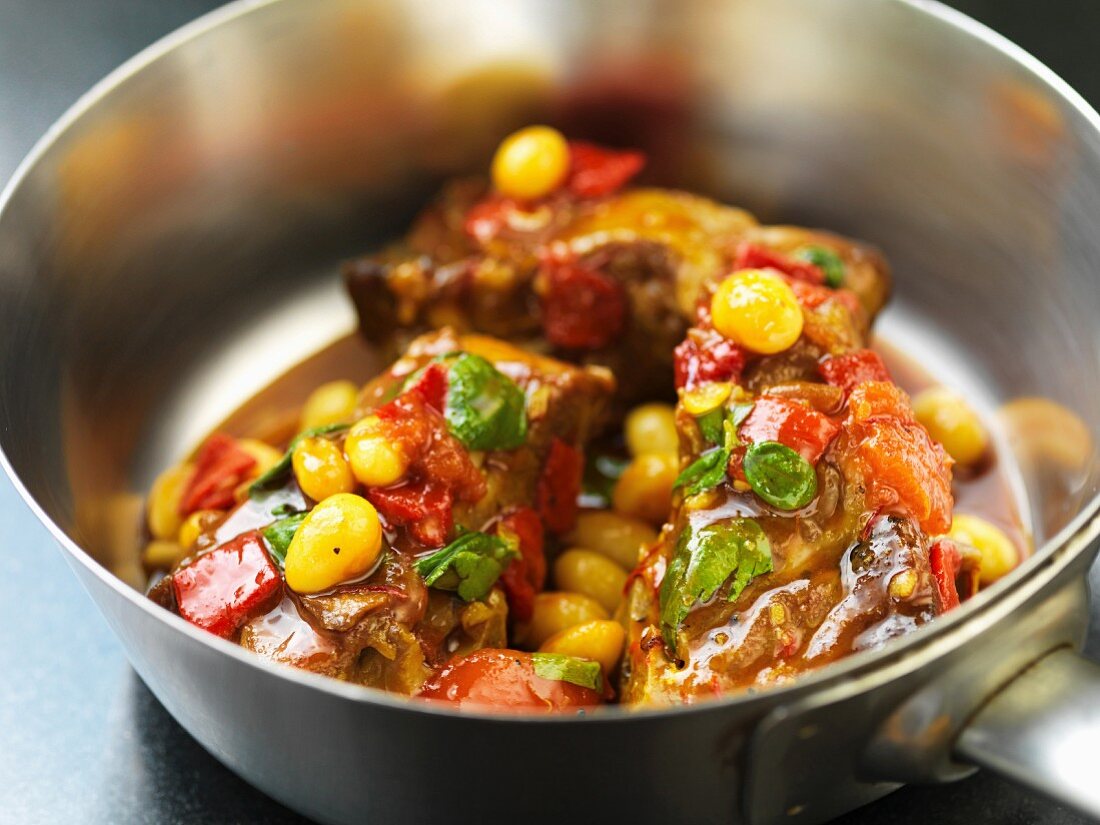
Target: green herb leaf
[[561, 668], [485, 409], [279, 470], [470, 565], [707, 471], [711, 425], [704, 559], [280, 534], [826, 260], [779, 475]]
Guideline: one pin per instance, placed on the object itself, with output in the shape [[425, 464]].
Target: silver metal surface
[[172, 244], [1054, 751]]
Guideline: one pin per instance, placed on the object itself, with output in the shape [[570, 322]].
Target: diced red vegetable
[[812, 296], [504, 680], [220, 467], [945, 560], [526, 575], [803, 429], [425, 508], [595, 170], [431, 384], [559, 485], [853, 368], [224, 588], [718, 359], [486, 219], [903, 469], [754, 256], [581, 308]]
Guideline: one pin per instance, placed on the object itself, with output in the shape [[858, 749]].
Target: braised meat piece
[[468, 451]]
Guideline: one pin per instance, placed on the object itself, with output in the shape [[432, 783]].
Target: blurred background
[[81, 739]]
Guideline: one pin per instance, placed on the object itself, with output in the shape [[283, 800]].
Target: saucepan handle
[[1042, 730]]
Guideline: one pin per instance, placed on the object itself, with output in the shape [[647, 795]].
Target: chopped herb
[[485, 409], [470, 565], [561, 668], [827, 261], [282, 466], [711, 425], [704, 560], [779, 475], [284, 509], [707, 471], [280, 534]]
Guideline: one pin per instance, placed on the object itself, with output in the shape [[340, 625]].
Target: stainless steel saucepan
[[171, 245]]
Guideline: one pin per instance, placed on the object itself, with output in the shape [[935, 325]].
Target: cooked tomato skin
[[851, 369], [753, 256], [804, 430], [559, 485], [504, 680], [526, 575], [581, 307], [224, 588], [716, 359], [945, 560], [220, 466], [595, 171]]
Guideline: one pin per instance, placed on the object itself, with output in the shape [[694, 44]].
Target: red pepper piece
[[753, 256], [812, 296], [486, 219], [559, 485], [853, 368], [224, 588], [526, 575], [432, 386], [581, 308], [595, 170], [718, 360], [804, 430], [423, 507], [219, 468], [945, 560]]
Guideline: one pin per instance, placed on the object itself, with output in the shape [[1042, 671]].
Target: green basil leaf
[[707, 471], [704, 559], [711, 425], [561, 668], [826, 260], [469, 565], [779, 475], [280, 534], [279, 470], [485, 409]]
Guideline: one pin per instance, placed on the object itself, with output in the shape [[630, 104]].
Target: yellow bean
[[375, 460], [194, 526], [331, 403], [321, 469], [556, 611], [162, 555], [619, 538], [951, 421], [999, 554], [164, 502], [757, 310], [531, 163], [590, 574], [651, 428], [264, 454], [644, 490], [600, 640], [702, 399], [339, 541]]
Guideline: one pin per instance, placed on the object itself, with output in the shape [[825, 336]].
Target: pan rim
[[910, 653]]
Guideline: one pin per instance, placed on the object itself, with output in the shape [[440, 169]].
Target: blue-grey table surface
[[81, 738]]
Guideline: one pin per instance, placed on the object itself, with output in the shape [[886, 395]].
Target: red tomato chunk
[[559, 485], [505, 680], [525, 576], [596, 171], [945, 561], [224, 588], [581, 308], [804, 430], [754, 256], [220, 467], [853, 368]]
